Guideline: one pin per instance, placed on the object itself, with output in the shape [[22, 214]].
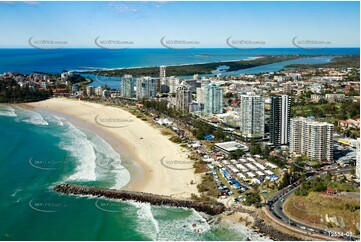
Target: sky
[[204, 24]]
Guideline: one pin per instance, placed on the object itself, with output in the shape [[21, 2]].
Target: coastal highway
[[276, 202]]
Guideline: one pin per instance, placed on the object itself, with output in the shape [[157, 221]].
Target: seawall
[[153, 199]]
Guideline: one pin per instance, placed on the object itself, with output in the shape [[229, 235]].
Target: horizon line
[[343, 47]]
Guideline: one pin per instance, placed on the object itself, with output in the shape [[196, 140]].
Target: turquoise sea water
[[55, 61], [39, 150]]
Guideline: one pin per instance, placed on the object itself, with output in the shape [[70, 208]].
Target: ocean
[[40, 150], [57, 60]]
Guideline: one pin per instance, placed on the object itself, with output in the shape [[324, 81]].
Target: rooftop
[[231, 146]]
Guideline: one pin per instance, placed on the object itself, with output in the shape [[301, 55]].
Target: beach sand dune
[[162, 167]]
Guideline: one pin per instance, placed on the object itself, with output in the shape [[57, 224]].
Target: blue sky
[[209, 23]]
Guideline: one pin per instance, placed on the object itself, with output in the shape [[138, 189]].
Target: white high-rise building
[[173, 84], [312, 138], [162, 73], [127, 86], [146, 87], [98, 91], [252, 115], [183, 97], [213, 99], [200, 91], [280, 120]]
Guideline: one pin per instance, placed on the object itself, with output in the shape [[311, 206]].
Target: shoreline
[[186, 64], [138, 168], [129, 161], [140, 146]]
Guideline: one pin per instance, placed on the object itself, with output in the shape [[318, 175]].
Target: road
[[276, 202]]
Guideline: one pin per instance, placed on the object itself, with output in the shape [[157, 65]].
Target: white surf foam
[[53, 119], [16, 191], [7, 111], [112, 164], [188, 226], [31, 117], [147, 224], [87, 150], [77, 143]]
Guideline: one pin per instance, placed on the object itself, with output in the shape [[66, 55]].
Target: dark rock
[[153, 199]]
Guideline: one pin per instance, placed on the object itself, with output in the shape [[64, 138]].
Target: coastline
[[83, 115], [185, 64], [141, 146]]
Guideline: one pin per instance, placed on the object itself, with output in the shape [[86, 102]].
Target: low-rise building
[[231, 146], [335, 97]]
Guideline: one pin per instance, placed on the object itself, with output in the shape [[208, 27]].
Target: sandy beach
[[156, 164]]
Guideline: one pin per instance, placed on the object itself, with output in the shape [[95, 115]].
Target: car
[[303, 227], [292, 224], [230, 193]]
